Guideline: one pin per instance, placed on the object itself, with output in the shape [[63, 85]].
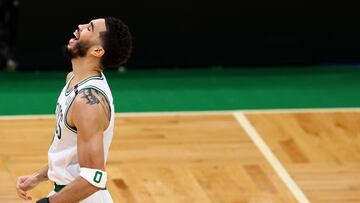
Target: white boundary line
[[271, 158], [197, 113]]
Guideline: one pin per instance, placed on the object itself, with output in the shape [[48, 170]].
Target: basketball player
[[84, 117]]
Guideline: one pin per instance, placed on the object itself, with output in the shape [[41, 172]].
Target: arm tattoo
[[91, 99], [88, 95]]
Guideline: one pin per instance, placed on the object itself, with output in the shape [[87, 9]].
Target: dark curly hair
[[117, 43]]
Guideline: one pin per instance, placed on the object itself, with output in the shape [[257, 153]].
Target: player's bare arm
[[90, 115], [28, 182]]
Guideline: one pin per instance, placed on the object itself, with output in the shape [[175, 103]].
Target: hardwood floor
[[204, 158], [320, 150]]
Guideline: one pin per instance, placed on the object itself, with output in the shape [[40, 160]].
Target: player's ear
[[98, 51]]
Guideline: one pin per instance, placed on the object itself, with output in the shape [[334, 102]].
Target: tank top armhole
[[71, 128]]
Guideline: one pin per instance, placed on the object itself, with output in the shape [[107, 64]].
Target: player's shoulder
[[68, 76], [88, 106], [89, 99], [89, 96]]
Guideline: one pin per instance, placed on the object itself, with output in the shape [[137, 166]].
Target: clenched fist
[[24, 184]]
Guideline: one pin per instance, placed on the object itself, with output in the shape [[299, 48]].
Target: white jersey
[[62, 156]]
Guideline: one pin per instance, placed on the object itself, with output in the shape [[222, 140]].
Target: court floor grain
[[208, 157]]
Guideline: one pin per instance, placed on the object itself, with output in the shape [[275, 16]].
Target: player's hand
[[24, 184]]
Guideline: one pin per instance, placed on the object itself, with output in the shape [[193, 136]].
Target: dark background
[[200, 33]]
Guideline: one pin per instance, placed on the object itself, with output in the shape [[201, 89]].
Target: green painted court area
[[196, 89]]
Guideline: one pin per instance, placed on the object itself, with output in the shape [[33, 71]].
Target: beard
[[79, 50]]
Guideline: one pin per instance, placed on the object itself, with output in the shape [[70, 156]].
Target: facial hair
[[80, 50]]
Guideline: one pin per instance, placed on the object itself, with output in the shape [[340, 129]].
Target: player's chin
[[70, 46], [72, 42]]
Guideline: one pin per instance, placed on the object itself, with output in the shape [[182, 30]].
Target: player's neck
[[83, 68]]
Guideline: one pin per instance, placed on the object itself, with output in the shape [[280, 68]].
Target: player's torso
[[62, 155]]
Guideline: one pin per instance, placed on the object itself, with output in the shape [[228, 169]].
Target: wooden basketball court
[[208, 157]]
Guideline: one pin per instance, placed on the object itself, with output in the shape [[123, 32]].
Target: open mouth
[[77, 34], [76, 37]]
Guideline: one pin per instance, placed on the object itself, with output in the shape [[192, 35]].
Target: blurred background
[[265, 42], [185, 33]]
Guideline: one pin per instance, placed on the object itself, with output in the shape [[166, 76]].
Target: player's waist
[[58, 188]]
